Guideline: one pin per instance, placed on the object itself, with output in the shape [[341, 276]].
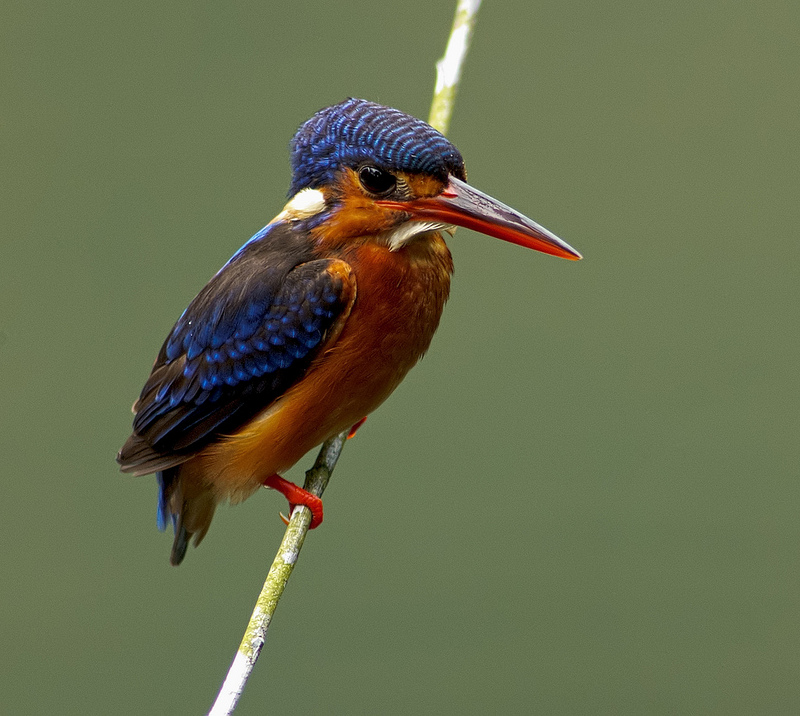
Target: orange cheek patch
[[357, 215]]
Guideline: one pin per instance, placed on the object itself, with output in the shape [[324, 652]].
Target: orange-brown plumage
[[398, 301], [359, 219], [314, 321]]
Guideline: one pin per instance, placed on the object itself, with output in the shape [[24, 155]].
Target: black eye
[[376, 181]]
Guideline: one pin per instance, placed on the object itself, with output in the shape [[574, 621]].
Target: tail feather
[[179, 546], [189, 503], [165, 479]]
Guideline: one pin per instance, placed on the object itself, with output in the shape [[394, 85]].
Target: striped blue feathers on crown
[[356, 131]]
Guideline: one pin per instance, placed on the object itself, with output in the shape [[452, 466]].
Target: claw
[[355, 428], [296, 496]]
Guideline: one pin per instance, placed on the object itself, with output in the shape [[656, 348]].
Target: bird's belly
[[385, 335]]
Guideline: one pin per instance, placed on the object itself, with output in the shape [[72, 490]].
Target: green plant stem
[[448, 68], [448, 73], [280, 571]]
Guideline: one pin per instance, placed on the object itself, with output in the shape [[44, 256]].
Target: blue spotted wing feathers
[[247, 337]]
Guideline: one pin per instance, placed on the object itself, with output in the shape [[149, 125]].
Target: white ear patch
[[399, 237], [303, 205]]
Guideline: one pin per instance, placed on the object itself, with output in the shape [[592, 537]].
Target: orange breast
[[400, 297]]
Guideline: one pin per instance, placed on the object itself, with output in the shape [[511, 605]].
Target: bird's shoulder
[[248, 335]]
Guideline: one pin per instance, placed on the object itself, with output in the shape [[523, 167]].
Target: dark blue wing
[[247, 337]]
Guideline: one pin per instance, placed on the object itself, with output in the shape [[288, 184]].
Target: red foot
[[355, 428], [296, 496]]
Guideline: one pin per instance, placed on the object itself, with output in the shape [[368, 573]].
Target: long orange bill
[[463, 205]]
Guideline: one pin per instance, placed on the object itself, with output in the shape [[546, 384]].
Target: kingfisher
[[316, 319]]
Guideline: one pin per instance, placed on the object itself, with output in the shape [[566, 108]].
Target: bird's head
[[362, 169]]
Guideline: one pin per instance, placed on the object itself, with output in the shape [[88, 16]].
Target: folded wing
[[238, 346]]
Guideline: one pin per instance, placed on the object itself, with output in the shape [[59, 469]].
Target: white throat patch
[[406, 232]]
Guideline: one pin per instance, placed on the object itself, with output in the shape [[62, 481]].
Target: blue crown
[[356, 131]]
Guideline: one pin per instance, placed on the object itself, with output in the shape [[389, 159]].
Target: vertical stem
[[448, 73], [280, 571], [448, 68]]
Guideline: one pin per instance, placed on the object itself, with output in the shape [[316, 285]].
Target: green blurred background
[[584, 500]]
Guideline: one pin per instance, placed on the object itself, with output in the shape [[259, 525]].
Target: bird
[[316, 319]]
